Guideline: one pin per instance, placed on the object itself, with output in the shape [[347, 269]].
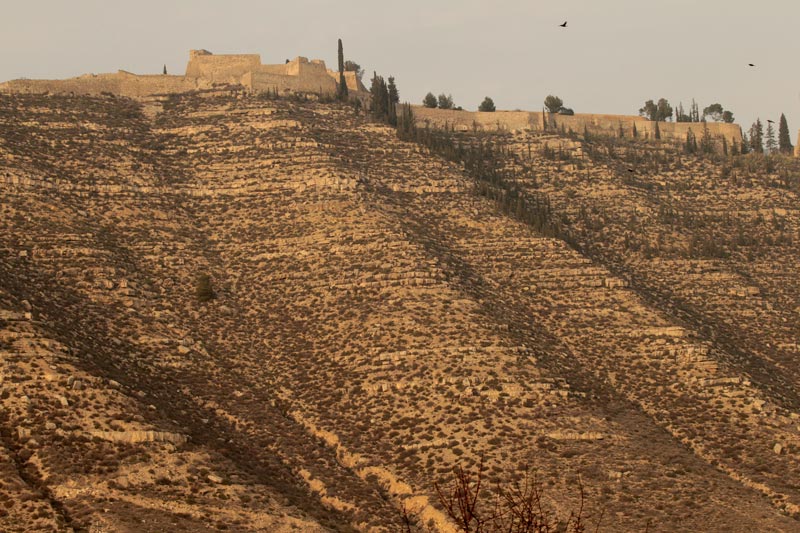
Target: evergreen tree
[[663, 110], [706, 145], [727, 117], [745, 144], [204, 290], [650, 110], [553, 103], [784, 141], [714, 111], [446, 101], [695, 112], [165, 70], [635, 133], [725, 145], [382, 109], [691, 142], [657, 132], [342, 89], [770, 143], [394, 95], [406, 126], [430, 101], [487, 105], [757, 137]]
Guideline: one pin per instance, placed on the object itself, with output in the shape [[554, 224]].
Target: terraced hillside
[[376, 322]]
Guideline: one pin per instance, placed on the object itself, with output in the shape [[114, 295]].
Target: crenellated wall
[[593, 123]]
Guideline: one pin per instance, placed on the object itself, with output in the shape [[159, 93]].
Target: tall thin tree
[[342, 90], [784, 141]]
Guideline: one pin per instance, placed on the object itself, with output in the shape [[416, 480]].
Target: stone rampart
[[121, 83], [204, 70], [226, 68], [578, 123]]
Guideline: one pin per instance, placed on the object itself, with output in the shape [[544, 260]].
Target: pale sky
[[613, 56]]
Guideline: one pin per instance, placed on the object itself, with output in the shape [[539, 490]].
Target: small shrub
[[204, 291]]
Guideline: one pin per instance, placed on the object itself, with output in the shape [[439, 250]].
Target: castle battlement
[[204, 70]]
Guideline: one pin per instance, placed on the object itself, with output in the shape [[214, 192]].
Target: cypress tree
[[342, 90], [757, 137], [165, 70], [394, 95], [657, 132], [784, 141]]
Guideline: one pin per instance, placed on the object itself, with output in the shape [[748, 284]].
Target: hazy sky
[[614, 55]]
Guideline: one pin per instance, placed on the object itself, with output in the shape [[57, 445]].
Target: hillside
[[377, 322]]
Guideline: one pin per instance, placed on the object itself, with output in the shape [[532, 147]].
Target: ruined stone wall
[[593, 123], [121, 83], [220, 68]]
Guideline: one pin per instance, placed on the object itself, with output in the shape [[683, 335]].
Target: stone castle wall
[[593, 123], [120, 83], [204, 70], [228, 68]]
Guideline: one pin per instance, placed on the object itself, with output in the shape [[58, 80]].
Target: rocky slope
[[375, 323]]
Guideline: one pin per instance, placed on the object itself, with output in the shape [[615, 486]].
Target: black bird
[[771, 121], [750, 65], [563, 25]]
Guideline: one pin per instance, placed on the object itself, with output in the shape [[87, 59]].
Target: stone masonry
[[204, 71]]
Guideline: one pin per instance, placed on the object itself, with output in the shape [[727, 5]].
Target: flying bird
[[750, 65], [771, 121], [563, 25]]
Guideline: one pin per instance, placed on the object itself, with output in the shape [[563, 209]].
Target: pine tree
[[784, 141], [487, 105], [342, 90], [430, 101], [771, 144], [757, 137]]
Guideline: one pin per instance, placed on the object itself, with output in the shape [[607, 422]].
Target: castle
[[204, 70]]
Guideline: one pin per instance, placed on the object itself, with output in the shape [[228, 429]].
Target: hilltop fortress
[[205, 70], [301, 75]]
